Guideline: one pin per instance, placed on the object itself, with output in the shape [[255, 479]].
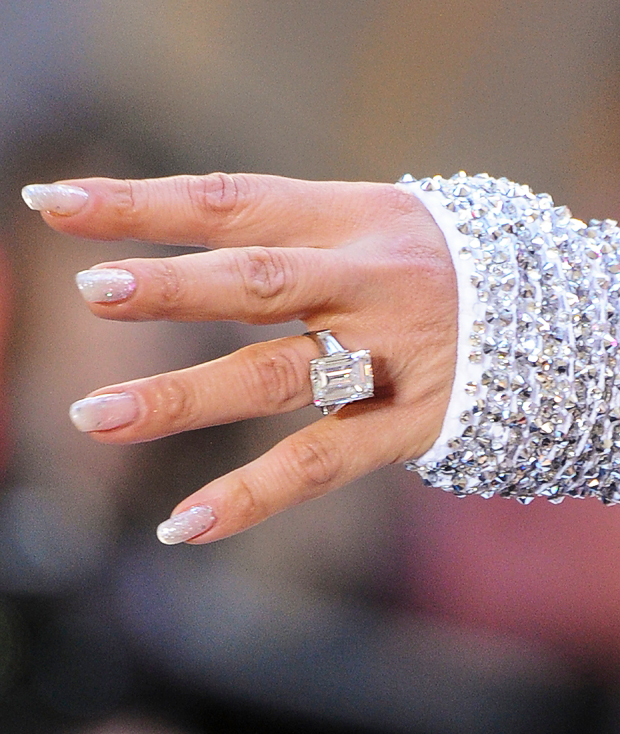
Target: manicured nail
[[105, 285], [186, 525], [55, 198], [104, 412]]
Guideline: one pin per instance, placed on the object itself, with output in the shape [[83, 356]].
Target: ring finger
[[258, 380]]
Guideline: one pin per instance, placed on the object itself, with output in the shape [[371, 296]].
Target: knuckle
[[128, 200], [277, 377], [394, 199], [175, 403], [264, 272], [225, 191], [248, 504], [401, 209], [313, 461], [168, 288], [218, 193], [405, 214]]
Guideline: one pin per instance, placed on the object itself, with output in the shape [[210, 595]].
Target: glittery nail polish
[[58, 199], [103, 412], [186, 525], [105, 285]]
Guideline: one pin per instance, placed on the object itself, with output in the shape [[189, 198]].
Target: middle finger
[[254, 284]]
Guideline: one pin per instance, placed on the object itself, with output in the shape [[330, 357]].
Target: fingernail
[[104, 412], [55, 198], [186, 525], [105, 285]]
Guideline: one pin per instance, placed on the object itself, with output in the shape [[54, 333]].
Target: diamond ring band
[[338, 377]]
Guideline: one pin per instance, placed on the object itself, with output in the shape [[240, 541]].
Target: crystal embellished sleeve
[[535, 403]]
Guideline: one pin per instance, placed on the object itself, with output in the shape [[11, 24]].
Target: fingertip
[[104, 412], [57, 199], [105, 285], [186, 525]]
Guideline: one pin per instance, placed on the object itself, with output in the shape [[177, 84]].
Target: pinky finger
[[308, 464]]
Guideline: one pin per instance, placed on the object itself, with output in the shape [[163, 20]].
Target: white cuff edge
[[470, 309]]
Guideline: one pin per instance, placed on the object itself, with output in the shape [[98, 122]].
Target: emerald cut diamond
[[341, 378]]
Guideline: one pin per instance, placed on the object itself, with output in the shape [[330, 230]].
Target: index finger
[[216, 210]]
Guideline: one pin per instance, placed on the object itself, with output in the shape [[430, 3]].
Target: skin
[[365, 260]]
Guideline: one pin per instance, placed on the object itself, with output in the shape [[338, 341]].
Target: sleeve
[[535, 401]]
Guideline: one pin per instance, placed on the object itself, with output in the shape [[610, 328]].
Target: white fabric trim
[[469, 310]]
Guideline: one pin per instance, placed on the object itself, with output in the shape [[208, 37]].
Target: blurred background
[[385, 607]]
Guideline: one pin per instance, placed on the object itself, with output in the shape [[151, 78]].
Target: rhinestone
[[478, 211], [490, 345], [546, 408], [525, 500], [429, 184], [461, 190]]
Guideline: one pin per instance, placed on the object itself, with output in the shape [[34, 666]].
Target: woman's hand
[[364, 260]]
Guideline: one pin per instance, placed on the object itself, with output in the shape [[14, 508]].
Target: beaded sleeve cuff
[[535, 403]]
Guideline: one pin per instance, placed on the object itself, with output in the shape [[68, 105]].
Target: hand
[[362, 259]]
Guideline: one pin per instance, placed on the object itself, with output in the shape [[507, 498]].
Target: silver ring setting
[[339, 377]]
